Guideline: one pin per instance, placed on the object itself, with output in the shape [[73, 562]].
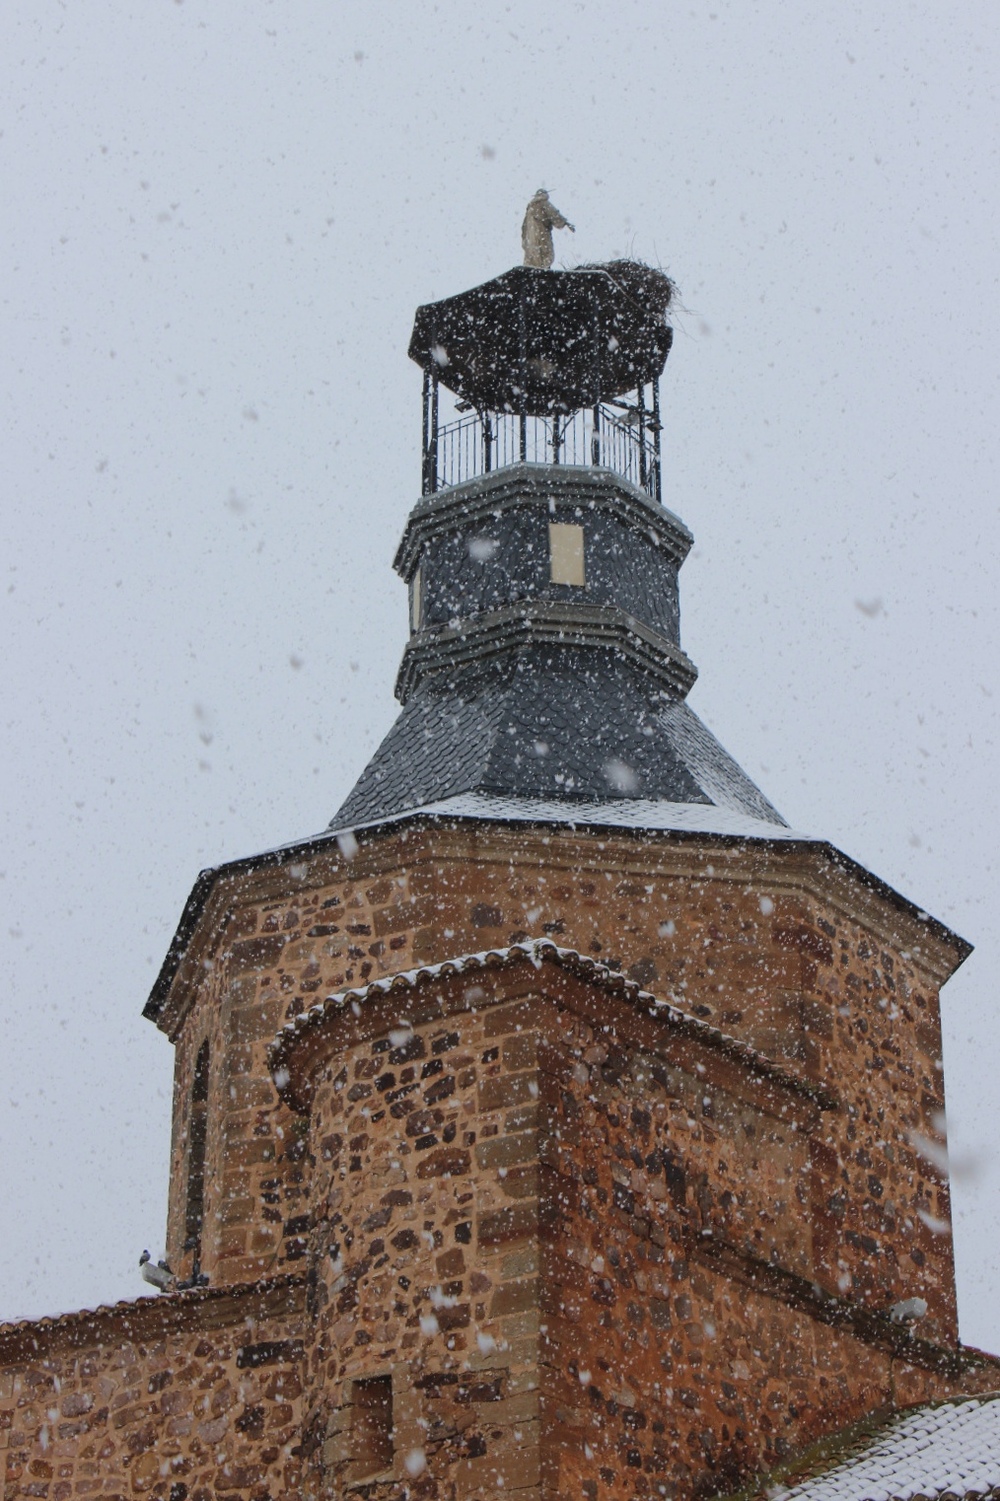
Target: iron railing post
[[425, 440], [641, 422], [487, 422], [433, 446], [522, 349], [657, 473]]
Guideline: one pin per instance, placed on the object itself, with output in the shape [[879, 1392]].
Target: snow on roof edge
[[951, 1447], [537, 951]]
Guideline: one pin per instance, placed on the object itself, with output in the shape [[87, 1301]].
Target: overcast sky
[[219, 216]]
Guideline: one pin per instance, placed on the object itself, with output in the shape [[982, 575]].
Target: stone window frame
[[407, 1430], [368, 1470]]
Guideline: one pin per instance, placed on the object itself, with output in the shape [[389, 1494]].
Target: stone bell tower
[[582, 1099]]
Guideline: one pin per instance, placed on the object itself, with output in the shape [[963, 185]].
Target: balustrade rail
[[623, 438]]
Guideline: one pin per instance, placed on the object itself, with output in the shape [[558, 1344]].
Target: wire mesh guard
[[623, 438]]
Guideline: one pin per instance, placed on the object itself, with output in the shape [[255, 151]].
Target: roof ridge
[[168, 1304], [537, 951]]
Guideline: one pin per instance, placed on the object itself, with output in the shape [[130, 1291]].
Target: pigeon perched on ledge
[[908, 1311], [159, 1276]]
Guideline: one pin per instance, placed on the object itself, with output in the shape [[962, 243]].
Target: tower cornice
[[491, 495], [486, 637]]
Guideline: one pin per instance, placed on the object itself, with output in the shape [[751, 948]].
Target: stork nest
[[650, 288]]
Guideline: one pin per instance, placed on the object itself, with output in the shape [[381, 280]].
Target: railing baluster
[[483, 442]]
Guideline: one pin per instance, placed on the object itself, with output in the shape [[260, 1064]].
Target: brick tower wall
[[768, 944], [543, 1222], [572, 1168]]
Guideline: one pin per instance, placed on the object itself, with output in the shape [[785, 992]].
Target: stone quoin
[[558, 1123]]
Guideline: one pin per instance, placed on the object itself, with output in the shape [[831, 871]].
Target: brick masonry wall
[[516, 1179], [595, 1262], [832, 981], [171, 1403], [425, 1245], [664, 1374]]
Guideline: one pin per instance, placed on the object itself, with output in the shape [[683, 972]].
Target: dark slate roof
[[549, 722]]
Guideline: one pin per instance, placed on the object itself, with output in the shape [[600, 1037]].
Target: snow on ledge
[[639, 813], [537, 951]]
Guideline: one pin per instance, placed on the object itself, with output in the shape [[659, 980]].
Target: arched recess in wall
[[194, 1217]]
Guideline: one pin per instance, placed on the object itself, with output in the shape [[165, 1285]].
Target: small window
[[371, 1427], [566, 553], [194, 1215], [416, 600]]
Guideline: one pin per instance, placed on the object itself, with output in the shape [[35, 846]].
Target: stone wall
[[578, 1243], [525, 1230], [424, 1129], [185, 1398], [777, 945]]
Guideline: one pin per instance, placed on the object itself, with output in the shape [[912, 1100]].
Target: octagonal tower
[[584, 1101]]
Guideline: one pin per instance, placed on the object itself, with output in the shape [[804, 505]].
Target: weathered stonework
[[847, 997], [628, 1223], [191, 1397]]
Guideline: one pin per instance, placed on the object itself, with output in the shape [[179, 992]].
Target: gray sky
[[218, 220]]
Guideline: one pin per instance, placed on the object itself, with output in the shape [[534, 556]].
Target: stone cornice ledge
[[141, 1319], [298, 1034], [559, 624], [873, 1326]]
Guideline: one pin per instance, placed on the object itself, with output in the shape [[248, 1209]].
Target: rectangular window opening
[[566, 553], [371, 1426], [194, 1211], [416, 601]]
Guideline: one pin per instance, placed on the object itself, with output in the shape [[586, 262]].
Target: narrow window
[[566, 553], [371, 1426], [197, 1135], [416, 601]]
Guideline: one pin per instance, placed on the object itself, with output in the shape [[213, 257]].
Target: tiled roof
[[147, 1316], [537, 951], [948, 1449]]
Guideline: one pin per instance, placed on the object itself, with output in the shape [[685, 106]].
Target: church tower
[[586, 1102]]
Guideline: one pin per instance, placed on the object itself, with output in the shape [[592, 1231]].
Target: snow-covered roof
[[948, 1449], [653, 814], [537, 951]]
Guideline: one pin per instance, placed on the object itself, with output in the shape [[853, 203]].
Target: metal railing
[[621, 437]]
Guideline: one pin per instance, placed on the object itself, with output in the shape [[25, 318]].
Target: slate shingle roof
[[557, 723]]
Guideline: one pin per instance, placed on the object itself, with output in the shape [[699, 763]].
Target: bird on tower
[[541, 217]]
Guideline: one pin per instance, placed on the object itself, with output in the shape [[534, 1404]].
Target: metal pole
[[434, 435], [657, 474], [642, 436], [424, 449], [522, 335], [555, 437], [598, 351], [487, 421]]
